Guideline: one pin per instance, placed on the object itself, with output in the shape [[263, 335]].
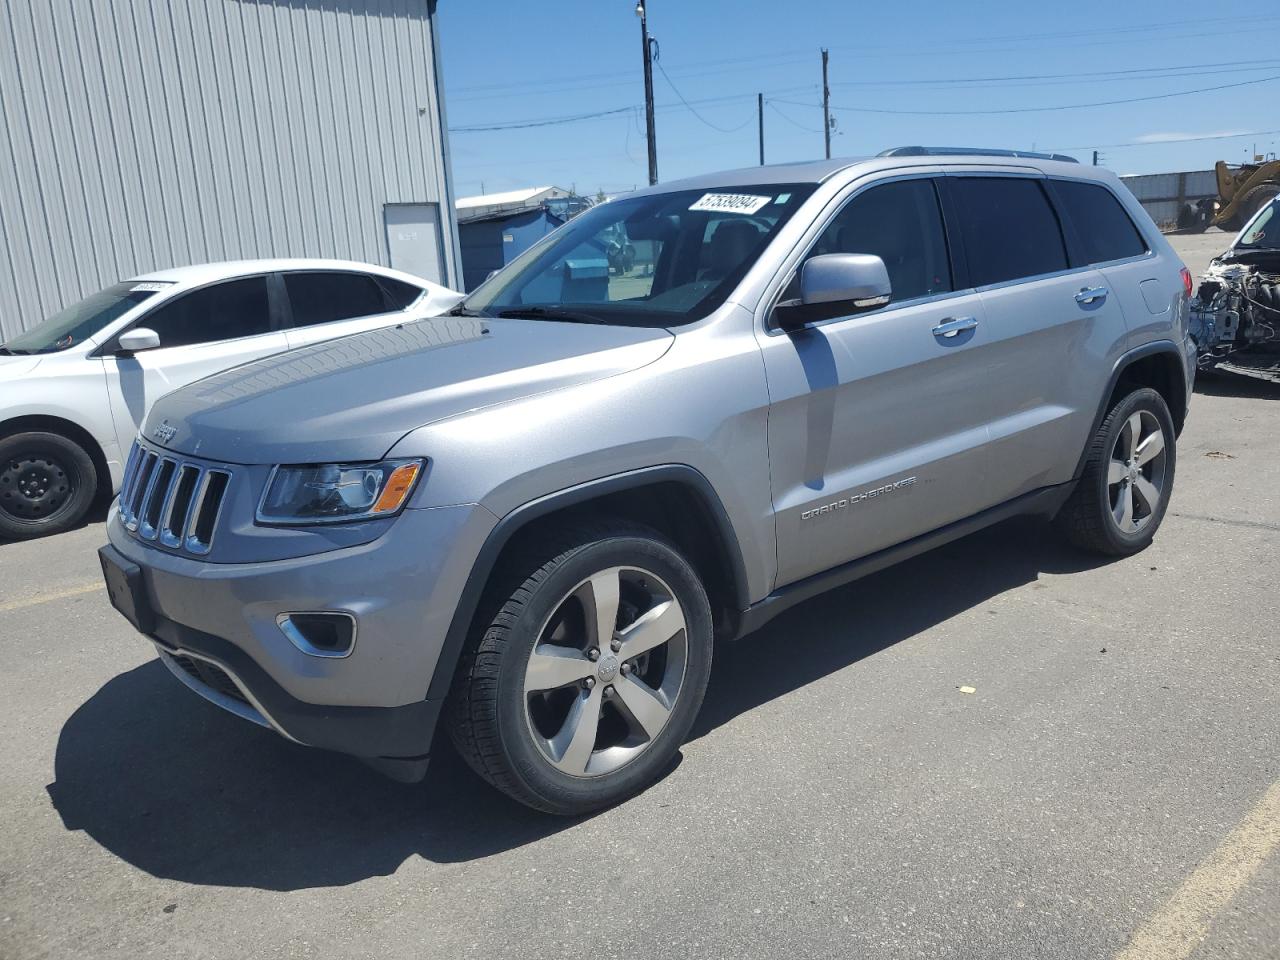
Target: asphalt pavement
[[1107, 788]]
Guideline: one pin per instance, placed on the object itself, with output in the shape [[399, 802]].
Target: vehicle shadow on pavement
[[1230, 385], [839, 628], [183, 791]]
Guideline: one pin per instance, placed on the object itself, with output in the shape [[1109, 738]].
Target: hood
[[351, 399], [12, 368]]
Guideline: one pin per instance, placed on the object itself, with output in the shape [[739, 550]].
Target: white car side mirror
[[139, 338]]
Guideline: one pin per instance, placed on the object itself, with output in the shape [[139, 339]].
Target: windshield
[[82, 320], [658, 260], [1264, 232]]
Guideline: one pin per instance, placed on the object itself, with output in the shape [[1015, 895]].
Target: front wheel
[[584, 678], [1122, 495], [47, 484]]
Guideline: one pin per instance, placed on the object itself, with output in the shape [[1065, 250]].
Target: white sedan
[[75, 388]]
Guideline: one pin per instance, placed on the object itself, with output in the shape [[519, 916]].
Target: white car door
[[201, 333], [324, 304]]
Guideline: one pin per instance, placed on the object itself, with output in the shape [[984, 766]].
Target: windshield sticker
[[783, 198], [151, 286], [731, 203]]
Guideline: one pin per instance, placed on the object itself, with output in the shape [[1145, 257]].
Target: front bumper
[[214, 625]]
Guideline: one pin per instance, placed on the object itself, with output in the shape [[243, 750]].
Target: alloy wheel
[[1136, 473], [606, 671]]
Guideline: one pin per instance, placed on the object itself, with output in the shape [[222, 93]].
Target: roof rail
[[971, 152]]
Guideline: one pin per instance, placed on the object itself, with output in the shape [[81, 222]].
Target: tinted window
[[82, 320], [224, 311], [901, 224], [325, 297], [1101, 224], [399, 294], [1010, 230]]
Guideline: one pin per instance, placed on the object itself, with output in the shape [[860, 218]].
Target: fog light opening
[[320, 633]]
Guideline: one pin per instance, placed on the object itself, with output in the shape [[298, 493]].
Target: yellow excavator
[[1243, 190]]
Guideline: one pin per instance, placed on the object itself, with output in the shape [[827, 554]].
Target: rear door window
[[1100, 222], [1010, 229], [321, 297], [223, 311]]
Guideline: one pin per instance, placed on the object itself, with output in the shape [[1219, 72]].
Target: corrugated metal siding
[[1164, 186], [1159, 193], [137, 135]]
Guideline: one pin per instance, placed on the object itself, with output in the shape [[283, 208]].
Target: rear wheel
[[583, 682], [47, 484], [1124, 491]]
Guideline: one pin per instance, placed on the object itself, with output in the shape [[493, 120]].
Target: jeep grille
[[171, 500]]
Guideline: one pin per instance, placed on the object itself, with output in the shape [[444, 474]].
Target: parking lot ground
[[1109, 788]]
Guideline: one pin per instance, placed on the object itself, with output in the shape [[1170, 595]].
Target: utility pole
[[760, 115], [648, 90], [826, 105]]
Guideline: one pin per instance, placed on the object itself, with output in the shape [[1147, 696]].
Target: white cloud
[[1174, 137]]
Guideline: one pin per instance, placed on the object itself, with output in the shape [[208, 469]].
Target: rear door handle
[[953, 325], [1091, 294]]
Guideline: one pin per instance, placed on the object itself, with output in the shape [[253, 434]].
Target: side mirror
[[836, 283], [139, 338]]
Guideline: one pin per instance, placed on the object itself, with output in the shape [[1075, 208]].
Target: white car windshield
[[82, 320], [1264, 232], [659, 259]]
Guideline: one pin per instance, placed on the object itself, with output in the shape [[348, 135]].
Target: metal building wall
[[137, 135], [1164, 194]]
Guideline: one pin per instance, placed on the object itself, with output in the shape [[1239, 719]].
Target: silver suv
[[534, 515]]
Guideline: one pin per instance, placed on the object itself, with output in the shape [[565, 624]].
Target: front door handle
[[952, 326], [1091, 294]]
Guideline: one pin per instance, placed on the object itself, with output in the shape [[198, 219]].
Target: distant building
[[495, 228], [139, 135]]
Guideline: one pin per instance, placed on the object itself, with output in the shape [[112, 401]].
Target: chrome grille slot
[[204, 510], [130, 470], [161, 486], [141, 486], [179, 509]]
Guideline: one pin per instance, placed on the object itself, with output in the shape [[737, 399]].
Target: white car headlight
[[330, 492]]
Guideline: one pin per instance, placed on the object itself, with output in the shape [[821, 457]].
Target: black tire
[[47, 484], [491, 711], [1089, 519]]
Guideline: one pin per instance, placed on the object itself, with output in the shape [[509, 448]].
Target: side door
[[878, 419], [1052, 321], [201, 332], [324, 304]]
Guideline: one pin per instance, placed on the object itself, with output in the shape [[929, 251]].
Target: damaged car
[[1235, 316]]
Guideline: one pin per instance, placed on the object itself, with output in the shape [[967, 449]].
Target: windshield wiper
[[5, 351], [550, 313], [461, 311]]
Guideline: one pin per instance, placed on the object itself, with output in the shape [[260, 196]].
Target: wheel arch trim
[[1127, 360], [515, 520]]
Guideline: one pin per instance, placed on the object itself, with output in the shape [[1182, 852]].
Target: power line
[[1062, 106], [676, 91], [1153, 73], [773, 105]]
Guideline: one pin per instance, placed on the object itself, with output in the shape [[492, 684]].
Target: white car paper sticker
[[151, 286], [730, 203]]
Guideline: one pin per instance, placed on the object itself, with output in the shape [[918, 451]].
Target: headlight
[[329, 492]]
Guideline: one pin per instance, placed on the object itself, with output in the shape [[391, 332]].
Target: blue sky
[[509, 62]]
